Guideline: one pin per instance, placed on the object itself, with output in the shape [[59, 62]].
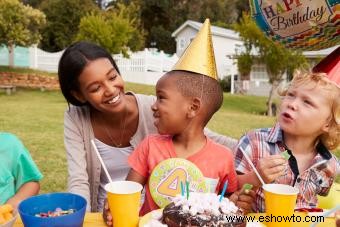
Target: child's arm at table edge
[[28, 189]]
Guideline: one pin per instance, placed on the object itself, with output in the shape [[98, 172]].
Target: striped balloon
[[299, 24]]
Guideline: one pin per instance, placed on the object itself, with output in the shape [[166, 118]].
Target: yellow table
[[96, 220]]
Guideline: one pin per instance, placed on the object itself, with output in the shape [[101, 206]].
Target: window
[[239, 49], [259, 73], [181, 44]]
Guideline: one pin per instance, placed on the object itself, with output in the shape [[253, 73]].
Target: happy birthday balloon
[[299, 24]]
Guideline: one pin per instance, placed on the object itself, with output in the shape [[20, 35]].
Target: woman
[[102, 111]]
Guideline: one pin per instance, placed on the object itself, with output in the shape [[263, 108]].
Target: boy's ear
[[78, 96], [194, 107]]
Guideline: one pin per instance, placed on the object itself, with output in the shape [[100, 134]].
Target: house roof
[[218, 31]]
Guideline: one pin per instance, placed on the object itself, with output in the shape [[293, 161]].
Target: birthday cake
[[200, 209]]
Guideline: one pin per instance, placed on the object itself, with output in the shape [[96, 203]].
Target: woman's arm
[[78, 180], [223, 140]]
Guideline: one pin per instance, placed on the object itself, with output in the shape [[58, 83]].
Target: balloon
[[299, 24]]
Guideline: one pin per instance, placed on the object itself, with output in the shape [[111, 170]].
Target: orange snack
[[6, 213], [8, 216], [2, 219], [6, 208]]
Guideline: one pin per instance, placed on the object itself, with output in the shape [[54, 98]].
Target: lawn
[[37, 118]]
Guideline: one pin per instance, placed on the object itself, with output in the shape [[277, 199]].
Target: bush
[[225, 83]]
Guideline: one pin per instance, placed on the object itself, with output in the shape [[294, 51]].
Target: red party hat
[[331, 66]]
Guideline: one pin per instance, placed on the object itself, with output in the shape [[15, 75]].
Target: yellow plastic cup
[[280, 201], [124, 202]]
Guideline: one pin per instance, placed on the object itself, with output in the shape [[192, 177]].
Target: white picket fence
[[144, 61], [141, 61]]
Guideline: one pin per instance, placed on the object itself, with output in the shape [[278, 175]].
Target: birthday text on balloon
[[294, 16]]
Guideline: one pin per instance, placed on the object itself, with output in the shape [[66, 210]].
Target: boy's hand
[[244, 199], [107, 214], [271, 167]]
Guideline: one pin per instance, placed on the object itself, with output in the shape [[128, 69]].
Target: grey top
[[84, 167]]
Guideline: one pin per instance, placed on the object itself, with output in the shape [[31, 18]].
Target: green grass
[[37, 118]]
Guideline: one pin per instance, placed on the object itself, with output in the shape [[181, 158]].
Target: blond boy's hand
[[243, 199], [271, 167]]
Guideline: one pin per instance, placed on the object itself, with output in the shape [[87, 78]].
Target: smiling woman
[[102, 111]]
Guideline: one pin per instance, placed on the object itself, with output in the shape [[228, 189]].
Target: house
[[226, 44]]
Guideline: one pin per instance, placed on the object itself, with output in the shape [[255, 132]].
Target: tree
[[244, 64], [112, 30], [275, 56], [132, 13], [63, 17], [241, 6], [33, 3], [160, 18], [19, 25], [245, 59]]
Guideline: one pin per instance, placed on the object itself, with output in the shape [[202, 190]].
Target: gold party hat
[[199, 56]]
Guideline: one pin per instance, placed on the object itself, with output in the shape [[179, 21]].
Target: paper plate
[[303, 24], [146, 218], [165, 180]]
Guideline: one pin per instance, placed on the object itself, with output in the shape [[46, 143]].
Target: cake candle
[[182, 189], [187, 183], [223, 190]]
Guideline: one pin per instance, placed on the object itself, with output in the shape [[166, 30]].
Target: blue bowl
[[43, 203]]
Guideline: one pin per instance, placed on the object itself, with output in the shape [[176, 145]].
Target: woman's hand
[[243, 199], [271, 167], [107, 214]]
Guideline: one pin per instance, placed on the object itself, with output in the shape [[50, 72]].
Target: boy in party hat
[[187, 97], [307, 128]]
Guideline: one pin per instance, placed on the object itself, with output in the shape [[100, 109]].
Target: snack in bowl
[[56, 213], [7, 215], [200, 209]]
